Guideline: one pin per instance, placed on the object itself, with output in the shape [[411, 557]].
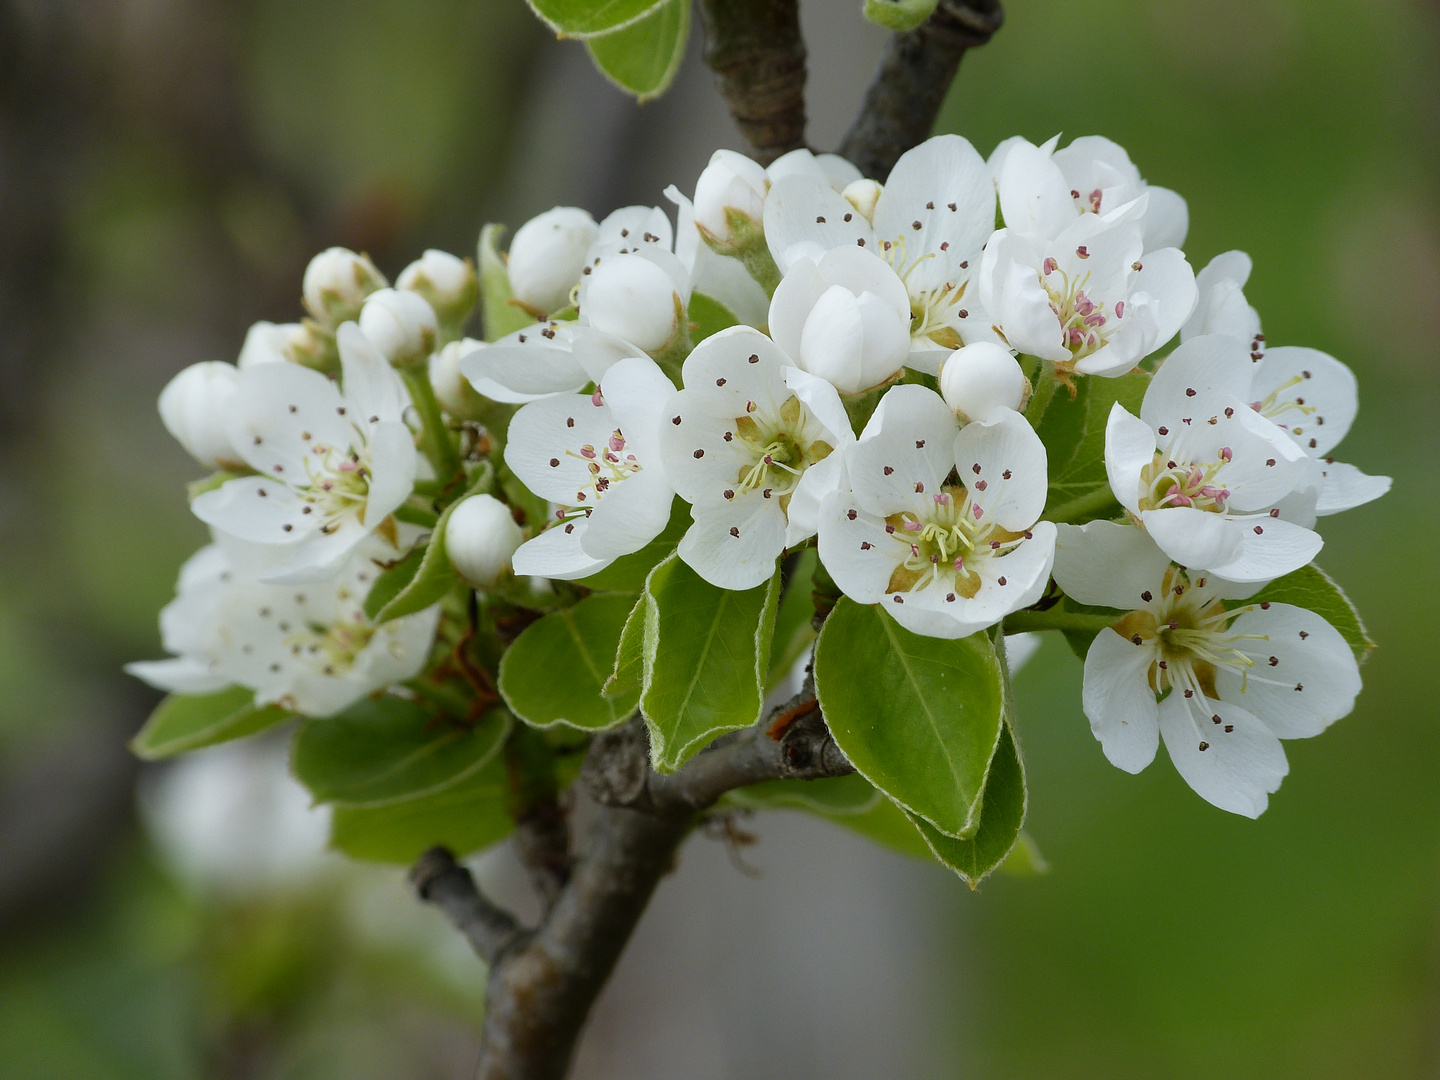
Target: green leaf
[[706, 654], [1000, 820], [185, 722], [643, 57], [1025, 859], [627, 574], [464, 817], [898, 14], [499, 315], [794, 630], [834, 796], [628, 674], [389, 749], [886, 824], [581, 18], [392, 581], [1073, 431], [554, 672], [435, 576], [918, 716], [1313, 589], [708, 316]]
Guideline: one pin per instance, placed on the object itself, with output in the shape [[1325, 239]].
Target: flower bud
[[271, 343], [447, 283], [546, 256], [337, 281], [730, 198], [452, 390], [194, 407], [480, 537], [863, 195], [401, 325], [980, 379], [633, 298]]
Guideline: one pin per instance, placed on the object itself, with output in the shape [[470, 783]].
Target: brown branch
[[911, 81], [758, 56], [446, 884]]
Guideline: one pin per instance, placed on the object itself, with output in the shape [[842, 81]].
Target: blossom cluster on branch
[[810, 400]]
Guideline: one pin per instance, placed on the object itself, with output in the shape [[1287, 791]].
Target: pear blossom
[[1204, 473], [1090, 299], [730, 196], [721, 277], [480, 537], [929, 222], [194, 407], [597, 458], [1308, 393], [542, 360], [308, 648], [446, 282], [1043, 190], [749, 444], [337, 281], [945, 558], [832, 168], [1223, 681], [640, 297], [273, 343], [979, 380], [331, 465], [401, 325], [844, 317], [545, 258], [452, 390]]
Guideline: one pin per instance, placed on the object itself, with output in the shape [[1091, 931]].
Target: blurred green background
[[166, 169]]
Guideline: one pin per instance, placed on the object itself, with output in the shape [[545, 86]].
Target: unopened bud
[[480, 537], [633, 298], [730, 198], [863, 195], [194, 407], [447, 283], [980, 379], [452, 390], [337, 281], [401, 325], [546, 256], [272, 343]]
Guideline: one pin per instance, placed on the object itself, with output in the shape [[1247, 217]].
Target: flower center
[[331, 650], [933, 311], [607, 466], [339, 484], [1274, 407], [1084, 325], [946, 546], [1163, 483], [779, 449]]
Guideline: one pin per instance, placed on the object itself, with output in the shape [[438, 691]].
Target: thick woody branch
[[443, 882], [758, 56], [910, 84]]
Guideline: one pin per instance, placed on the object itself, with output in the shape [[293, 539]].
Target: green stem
[[1089, 506], [1020, 621], [413, 515], [1045, 384], [439, 447]]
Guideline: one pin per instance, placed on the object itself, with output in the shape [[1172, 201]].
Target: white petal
[[281, 412], [1025, 571], [1106, 564], [1238, 769], [1346, 487], [320, 557], [944, 186], [1021, 648], [636, 390], [832, 343], [628, 516], [180, 675], [596, 351], [738, 559], [372, 390], [1170, 281], [1034, 195], [1197, 538], [792, 303], [628, 226], [857, 551], [1305, 676], [257, 509], [525, 366], [556, 553], [1119, 702], [1005, 455], [1320, 393], [721, 374], [823, 400], [1276, 549], [806, 210], [1216, 367], [392, 470], [1129, 447], [545, 442], [912, 435], [819, 481], [1167, 220]]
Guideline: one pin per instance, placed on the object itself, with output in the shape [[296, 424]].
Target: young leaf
[[392, 581], [1002, 815], [627, 676], [498, 314], [708, 316], [1073, 431], [554, 672], [185, 722], [918, 716], [435, 576], [886, 824], [389, 749], [643, 57], [1024, 859], [582, 18], [463, 817], [627, 574], [793, 630], [1313, 589], [898, 14], [832, 796], [706, 654]]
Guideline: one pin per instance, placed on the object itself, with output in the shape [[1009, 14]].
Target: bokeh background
[[166, 169]]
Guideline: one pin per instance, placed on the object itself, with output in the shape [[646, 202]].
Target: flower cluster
[[804, 357]]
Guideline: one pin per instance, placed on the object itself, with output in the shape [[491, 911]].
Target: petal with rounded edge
[[556, 553], [1197, 538], [1119, 702], [1270, 548], [1346, 487], [1106, 564], [1305, 676], [1129, 447], [734, 545], [1238, 769], [1002, 463]]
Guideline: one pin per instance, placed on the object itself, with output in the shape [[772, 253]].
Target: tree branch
[[910, 84], [758, 56], [441, 881]]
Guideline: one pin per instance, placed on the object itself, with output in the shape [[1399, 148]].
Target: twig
[[758, 56], [440, 880], [910, 84]]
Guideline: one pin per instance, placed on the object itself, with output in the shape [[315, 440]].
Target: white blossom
[[310, 648], [337, 281], [447, 283], [1221, 680], [945, 558], [1308, 393], [330, 465], [546, 256], [272, 343], [749, 444], [1204, 473], [480, 537], [542, 360], [401, 325], [195, 407], [844, 317], [1043, 190], [979, 380], [832, 168], [930, 222], [452, 390], [637, 297], [730, 192], [597, 459]]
